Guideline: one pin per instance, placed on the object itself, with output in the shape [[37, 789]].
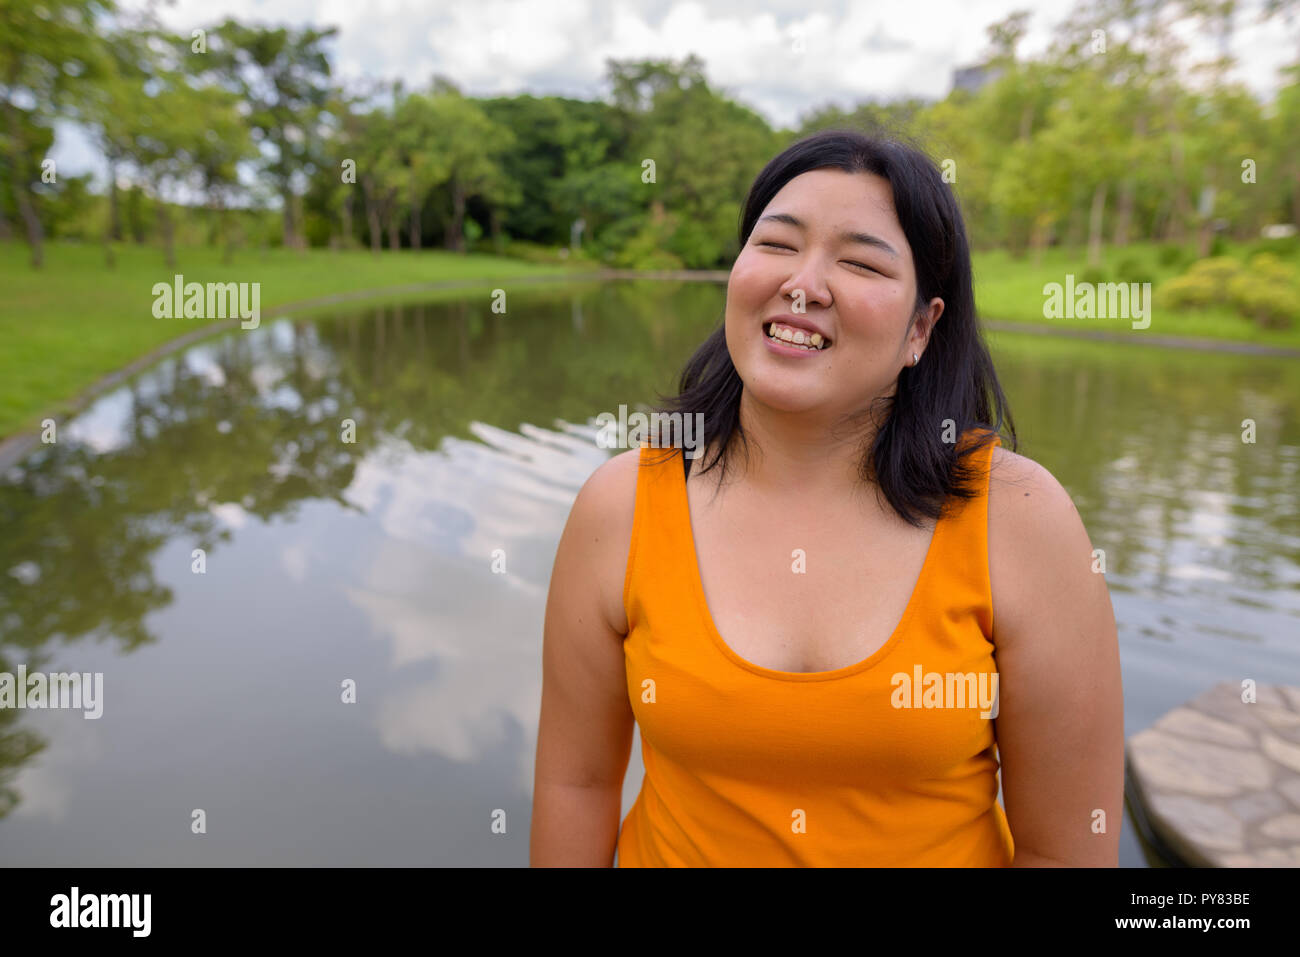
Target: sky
[[851, 50]]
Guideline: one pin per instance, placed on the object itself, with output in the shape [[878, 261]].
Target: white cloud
[[852, 51]]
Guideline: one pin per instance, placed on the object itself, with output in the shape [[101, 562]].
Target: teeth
[[812, 342]]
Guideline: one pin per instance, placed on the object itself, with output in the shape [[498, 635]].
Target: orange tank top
[[885, 763]]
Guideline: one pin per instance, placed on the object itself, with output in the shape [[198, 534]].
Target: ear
[[925, 322]]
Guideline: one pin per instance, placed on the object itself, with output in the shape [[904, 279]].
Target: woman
[[833, 648]]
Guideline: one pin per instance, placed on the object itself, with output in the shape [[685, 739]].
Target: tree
[[706, 150], [553, 168], [179, 138], [416, 136], [282, 74], [378, 171], [44, 49], [112, 107], [465, 148], [216, 149], [1285, 136]]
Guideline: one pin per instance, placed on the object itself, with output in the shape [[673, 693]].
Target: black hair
[[912, 459]]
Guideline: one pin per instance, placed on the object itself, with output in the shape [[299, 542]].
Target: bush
[[532, 252], [316, 229], [606, 242], [1131, 269], [1173, 255], [1268, 263], [1093, 276], [1266, 291], [650, 247], [1205, 284], [1220, 269], [1287, 247], [695, 245], [1269, 293], [1189, 291], [1269, 304]]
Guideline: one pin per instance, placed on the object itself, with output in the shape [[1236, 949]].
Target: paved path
[[1218, 779]]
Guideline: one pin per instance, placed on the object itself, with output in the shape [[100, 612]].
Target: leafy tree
[[44, 49], [705, 148], [282, 75]]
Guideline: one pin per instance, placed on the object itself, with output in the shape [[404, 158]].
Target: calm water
[[372, 561]]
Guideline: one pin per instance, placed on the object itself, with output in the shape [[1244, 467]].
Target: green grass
[[1012, 290], [64, 327]]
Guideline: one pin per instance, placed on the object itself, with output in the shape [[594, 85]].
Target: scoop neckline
[[866, 664]]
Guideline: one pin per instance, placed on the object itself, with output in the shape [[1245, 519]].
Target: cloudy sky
[[853, 50]]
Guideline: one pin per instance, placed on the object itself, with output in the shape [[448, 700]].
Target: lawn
[[67, 325], [1012, 290]]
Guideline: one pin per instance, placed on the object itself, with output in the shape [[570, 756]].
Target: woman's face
[[858, 293]]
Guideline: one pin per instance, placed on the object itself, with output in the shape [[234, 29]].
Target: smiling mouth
[[797, 338]]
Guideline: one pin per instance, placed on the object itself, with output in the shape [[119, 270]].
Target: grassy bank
[[64, 327], [1012, 290]]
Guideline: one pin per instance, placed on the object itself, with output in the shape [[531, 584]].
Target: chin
[[779, 397]]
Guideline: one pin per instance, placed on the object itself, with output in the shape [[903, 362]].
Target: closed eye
[[849, 261]]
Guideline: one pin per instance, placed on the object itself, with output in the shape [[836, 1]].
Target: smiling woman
[[810, 651]]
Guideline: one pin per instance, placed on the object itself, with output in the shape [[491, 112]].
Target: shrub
[[1092, 275], [1265, 291], [649, 248], [531, 252], [1267, 303], [695, 245], [1132, 269], [1268, 263], [1288, 247], [1220, 269], [1173, 255], [1205, 284], [1189, 291], [1268, 293]]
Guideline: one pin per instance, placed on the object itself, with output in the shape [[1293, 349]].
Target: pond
[[236, 560]]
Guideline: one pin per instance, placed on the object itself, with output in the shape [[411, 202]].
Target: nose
[[807, 276]]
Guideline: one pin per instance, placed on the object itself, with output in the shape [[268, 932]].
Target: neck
[[812, 455]]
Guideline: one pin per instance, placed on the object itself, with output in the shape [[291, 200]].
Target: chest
[[802, 586]]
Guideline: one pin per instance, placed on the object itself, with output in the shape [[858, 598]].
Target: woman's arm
[[584, 734], [1060, 723]]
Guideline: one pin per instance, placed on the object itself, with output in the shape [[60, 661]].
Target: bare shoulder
[[610, 491], [1037, 543], [605, 508], [1021, 490]]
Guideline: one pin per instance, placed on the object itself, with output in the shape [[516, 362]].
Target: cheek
[[748, 279], [878, 309]]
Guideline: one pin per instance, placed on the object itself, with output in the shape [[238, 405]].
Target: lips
[[798, 322]]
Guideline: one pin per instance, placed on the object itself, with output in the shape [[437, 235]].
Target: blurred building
[[971, 78]]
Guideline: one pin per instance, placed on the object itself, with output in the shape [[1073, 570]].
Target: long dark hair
[[916, 467]]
